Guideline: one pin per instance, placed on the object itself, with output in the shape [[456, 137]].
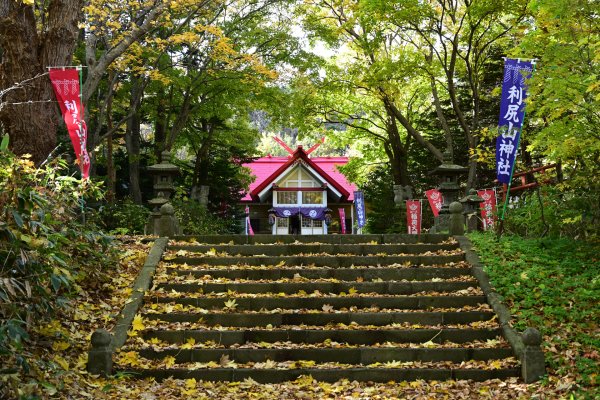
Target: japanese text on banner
[[435, 201], [413, 216], [512, 113], [359, 203], [342, 220], [66, 88], [488, 207]]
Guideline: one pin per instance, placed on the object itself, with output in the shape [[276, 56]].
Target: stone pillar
[[456, 225], [203, 198], [532, 360], [100, 355], [168, 226]]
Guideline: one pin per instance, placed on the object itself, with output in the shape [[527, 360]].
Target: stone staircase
[[272, 308]]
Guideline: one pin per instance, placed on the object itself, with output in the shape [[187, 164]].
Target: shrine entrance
[[299, 203]]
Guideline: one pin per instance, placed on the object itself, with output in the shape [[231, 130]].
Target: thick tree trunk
[[132, 142], [27, 53]]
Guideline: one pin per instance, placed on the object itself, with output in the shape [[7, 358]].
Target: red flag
[[66, 88], [413, 216], [435, 201], [342, 220], [488, 207]]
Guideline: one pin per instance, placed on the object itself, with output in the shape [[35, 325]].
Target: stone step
[[363, 355], [338, 261], [329, 239], [352, 337], [343, 274], [288, 250], [305, 302], [364, 374], [317, 318], [392, 288]]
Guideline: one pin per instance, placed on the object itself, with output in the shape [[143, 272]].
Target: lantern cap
[[165, 165], [472, 197], [447, 167]]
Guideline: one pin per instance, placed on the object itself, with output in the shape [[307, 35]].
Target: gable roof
[[268, 169]]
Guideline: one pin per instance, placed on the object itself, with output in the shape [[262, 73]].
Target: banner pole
[[80, 74], [512, 170]]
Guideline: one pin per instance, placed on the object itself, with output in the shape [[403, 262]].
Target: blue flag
[[512, 113], [359, 203]]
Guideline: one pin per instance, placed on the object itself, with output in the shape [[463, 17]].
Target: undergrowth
[[552, 284]]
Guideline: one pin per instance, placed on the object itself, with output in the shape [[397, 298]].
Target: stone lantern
[[471, 203], [163, 174], [449, 188]]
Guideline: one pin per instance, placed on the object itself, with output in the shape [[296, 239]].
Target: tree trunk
[[132, 142], [160, 125], [201, 165], [25, 55], [110, 164]]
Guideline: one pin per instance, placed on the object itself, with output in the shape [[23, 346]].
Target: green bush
[[195, 219], [47, 254], [124, 217], [567, 213]]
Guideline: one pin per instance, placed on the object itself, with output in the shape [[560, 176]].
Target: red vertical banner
[[435, 201], [488, 208], [342, 220], [66, 88], [413, 216]]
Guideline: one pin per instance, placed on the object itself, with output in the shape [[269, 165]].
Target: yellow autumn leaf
[[138, 323], [169, 361], [189, 343], [190, 383], [64, 364], [59, 346]]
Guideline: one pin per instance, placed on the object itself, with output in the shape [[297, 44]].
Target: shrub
[[46, 253], [124, 217], [195, 219], [567, 213]]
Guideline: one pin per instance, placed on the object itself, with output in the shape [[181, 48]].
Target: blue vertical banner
[[512, 113], [359, 204]]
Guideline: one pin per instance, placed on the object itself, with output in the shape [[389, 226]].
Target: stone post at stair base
[[456, 225], [100, 356], [532, 360], [168, 226]]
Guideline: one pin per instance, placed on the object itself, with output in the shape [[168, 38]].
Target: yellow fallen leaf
[[62, 362], [59, 346], [169, 361], [138, 323]]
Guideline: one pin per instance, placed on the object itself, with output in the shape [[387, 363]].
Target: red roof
[[267, 169]]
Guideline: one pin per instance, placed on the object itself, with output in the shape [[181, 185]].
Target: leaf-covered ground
[[570, 341]]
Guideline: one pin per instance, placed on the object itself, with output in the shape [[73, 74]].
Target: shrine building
[[299, 194]]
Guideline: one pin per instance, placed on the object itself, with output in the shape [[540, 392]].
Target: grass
[[552, 284]]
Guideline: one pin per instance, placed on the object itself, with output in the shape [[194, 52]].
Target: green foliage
[[47, 255], [382, 215], [553, 285], [125, 217], [568, 212], [565, 91], [195, 219]]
